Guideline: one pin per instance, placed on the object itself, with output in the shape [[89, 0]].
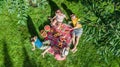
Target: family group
[[59, 36]]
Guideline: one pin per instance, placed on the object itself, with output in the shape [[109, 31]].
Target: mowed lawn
[[15, 46]]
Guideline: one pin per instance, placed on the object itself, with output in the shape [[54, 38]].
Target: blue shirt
[[38, 43]]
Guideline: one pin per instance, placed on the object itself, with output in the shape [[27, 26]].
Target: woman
[[77, 32]]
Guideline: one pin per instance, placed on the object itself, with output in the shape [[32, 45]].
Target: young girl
[[58, 18]]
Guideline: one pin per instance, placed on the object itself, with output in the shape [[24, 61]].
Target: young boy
[[37, 43]]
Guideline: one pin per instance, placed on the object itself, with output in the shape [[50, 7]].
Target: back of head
[[58, 11], [32, 39], [72, 16]]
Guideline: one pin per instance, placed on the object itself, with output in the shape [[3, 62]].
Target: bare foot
[[74, 50]]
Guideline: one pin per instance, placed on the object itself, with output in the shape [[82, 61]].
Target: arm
[[66, 18], [53, 18], [78, 26], [46, 51], [33, 46], [75, 27]]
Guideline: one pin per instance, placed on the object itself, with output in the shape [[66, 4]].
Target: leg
[[77, 41], [46, 51], [46, 42], [59, 25], [78, 35], [44, 47], [73, 38], [54, 22]]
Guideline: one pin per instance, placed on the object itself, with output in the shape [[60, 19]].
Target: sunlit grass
[[15, 47]]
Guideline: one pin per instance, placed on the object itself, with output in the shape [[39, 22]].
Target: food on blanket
[[57, 34], [47, 28], [62, 38], [51, 30], [43, 33], [60, 44], [67, 31]]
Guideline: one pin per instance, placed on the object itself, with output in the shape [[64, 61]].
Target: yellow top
[[74, 21]]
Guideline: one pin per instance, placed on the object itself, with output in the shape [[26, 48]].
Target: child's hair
[[58, 11], [72, 15], [32, 39]]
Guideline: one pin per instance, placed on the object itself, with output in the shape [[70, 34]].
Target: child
[[59, 17], [77, 32], [37, 43]]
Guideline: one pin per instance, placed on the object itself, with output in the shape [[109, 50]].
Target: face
[[58, 12], [73, 17]]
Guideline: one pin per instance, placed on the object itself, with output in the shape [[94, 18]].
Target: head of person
[[72, 16], [58, 11], [33, 38]]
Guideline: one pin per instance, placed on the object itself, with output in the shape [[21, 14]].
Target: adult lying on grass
[[77, 32]]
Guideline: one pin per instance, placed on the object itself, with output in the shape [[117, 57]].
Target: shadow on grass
[[31, 28], [27, 62], [76, 1], [7, 59], [53, 7], [69, 12], [41, 27]]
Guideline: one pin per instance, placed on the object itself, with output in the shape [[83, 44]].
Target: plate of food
[[47, 28]]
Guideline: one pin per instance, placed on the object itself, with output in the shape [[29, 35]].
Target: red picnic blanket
[[64, 37]]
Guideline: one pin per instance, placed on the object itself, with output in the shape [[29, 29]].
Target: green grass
[[15, 47]]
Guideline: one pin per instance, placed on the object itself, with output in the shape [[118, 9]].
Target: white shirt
[[60, 18]]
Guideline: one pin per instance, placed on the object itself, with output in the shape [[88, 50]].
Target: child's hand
[[33, 49]]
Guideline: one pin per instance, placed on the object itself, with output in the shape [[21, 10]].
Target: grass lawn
[[15, 47]]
